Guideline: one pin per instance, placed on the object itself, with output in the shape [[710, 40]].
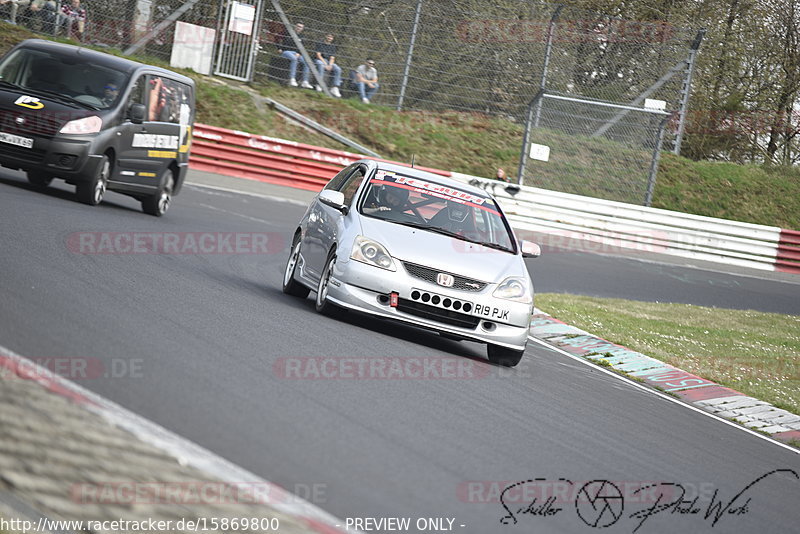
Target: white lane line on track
[[243, 216], [249, 193], [186, 452], [663, 395]]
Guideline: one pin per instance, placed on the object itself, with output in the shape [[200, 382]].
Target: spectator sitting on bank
[[288, 49], [38, 15], [326, 64], [366, 80], [72, 19], [501, 175]]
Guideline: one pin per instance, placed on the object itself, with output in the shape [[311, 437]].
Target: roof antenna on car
[[412, 160]]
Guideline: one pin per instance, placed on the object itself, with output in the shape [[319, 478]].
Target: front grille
[[437, 314], [42, 123], [459, 282]]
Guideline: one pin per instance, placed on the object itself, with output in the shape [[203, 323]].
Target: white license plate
[[17, 140]]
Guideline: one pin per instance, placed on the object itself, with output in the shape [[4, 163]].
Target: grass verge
[[755, 353]]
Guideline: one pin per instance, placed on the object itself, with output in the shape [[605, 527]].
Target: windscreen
[[51, 75], [438, 208]]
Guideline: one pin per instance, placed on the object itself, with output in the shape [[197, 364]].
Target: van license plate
[[17, 140]]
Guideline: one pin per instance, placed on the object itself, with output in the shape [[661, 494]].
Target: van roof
[[100, 58]]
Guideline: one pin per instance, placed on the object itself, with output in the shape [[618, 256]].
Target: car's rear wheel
[[504, 356], [93, 191], [290, 285], [159, 203], [321, 303], [39, 179]]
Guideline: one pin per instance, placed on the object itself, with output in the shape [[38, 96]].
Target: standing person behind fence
[[326, 64], [366, 80], [501, 175], [72, 20], [289, 49]]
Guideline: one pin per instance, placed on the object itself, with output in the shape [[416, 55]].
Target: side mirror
[[137, 113], [530, 249], [334, 199]]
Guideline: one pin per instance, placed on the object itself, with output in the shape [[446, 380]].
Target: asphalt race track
[[202, 341]]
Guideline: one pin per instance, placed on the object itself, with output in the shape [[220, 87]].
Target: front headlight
[[513, 288], [86, 125], [373, 253]]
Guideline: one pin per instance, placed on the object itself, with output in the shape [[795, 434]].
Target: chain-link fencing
[[466, 56]]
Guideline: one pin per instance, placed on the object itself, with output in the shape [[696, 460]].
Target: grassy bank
[[755, 353], [475, 143]]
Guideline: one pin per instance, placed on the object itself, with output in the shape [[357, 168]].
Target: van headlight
[[373, 253], [86, 125], [513, 288]]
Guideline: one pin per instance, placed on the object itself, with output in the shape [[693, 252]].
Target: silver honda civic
[[416, 247]]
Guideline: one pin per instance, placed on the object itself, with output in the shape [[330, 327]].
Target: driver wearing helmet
[[454, 217], [388, 198]]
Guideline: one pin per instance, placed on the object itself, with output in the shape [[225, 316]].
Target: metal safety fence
[[464, 56]]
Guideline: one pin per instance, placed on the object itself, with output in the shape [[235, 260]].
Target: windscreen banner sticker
[[141, 140], [429, 188], [29, 102]]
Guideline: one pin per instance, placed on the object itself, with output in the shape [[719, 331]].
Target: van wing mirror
[[530, 249], [137, 113], [334, 199]]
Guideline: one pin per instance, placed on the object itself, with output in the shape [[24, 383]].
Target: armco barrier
[[561, 216], [269, 159], [627, 226], [789, 252]]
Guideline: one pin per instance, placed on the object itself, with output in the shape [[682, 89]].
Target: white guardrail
[[610, 224]]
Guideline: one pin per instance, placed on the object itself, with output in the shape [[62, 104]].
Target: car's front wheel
[[93, 191], [504, 356], [321, 303], [290, 285]]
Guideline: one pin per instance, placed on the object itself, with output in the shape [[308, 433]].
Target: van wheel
[[504, 356], [39, 179], [92, 192], [158, 204]]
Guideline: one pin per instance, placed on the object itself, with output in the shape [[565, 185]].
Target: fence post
[[546, 63], [687, 88], [409, 55], [175, 15], [523, 156], [651, 178], [303, 52]]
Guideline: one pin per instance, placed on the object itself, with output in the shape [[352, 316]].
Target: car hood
[[442, 252]]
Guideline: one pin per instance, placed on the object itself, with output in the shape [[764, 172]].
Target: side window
[[137, 93], [351, 185], [337, 181], [10, 71]]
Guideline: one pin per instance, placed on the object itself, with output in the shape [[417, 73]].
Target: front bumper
[[487, 319], [72, 160]]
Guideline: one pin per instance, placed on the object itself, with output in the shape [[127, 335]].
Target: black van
[[95, 120]]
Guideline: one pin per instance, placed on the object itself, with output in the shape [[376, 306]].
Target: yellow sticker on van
[[161, 154]]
